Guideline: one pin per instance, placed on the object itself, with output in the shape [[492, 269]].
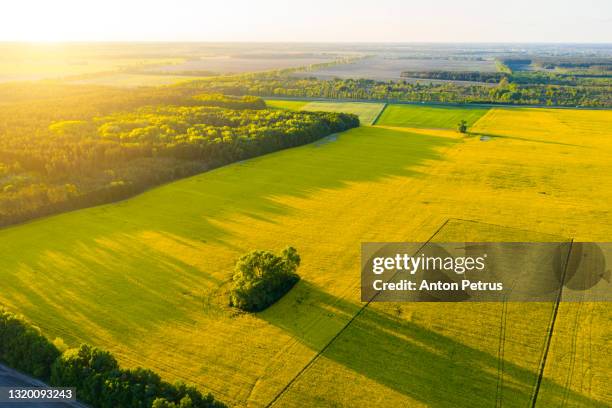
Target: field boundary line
[[331, 341], [551, 329], [384, 107]]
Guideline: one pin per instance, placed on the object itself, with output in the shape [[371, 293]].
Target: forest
[[91, 146]]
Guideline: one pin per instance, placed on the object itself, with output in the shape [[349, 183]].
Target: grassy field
[[436, 355], [147, 278], [366, 111], [443, 117], [285, 104]]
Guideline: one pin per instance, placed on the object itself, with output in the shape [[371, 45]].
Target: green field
[[366, 111], [147, 278], [435, 117], [285, 104]]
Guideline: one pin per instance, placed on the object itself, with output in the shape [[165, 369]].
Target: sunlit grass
[[429, 116], [146, 278], [366, 111]]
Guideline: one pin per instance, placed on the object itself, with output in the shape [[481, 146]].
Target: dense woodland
[[75, 147], [96, 375]]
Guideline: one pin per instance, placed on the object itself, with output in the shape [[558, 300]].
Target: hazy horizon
[[237, 42], [318, 21]]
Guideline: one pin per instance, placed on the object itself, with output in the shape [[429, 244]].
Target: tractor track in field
[[339, 333], [379, 114], [551, 329], [572, 363], [501, 346], [499, 391]]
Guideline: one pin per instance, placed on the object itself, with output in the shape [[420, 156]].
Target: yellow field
[[550, 172], [146, 278]]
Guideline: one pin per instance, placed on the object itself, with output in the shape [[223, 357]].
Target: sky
[[308, 20]]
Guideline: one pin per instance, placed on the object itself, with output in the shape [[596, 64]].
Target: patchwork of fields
[[126, 80], [147, 278]]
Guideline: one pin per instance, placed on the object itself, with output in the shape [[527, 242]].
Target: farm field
[[389, 68], [20, 62], [429, 116], [146, 278], [285, 104], [366, 111], [137, 64], [133, 80], [236, 64]]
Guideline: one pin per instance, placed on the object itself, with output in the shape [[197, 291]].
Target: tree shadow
[[98, 268], [524, 139], [412, 359]]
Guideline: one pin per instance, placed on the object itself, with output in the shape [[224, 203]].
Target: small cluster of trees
[[96, 375], [462, 126], [261, 278]]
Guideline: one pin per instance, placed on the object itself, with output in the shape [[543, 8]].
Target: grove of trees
[[261, 278]]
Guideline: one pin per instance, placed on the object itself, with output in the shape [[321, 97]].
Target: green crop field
[[366, 111], [285, 104], [147, 278], [443, 117]]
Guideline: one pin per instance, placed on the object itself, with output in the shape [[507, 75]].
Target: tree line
[[470, 76], [591, 92], [518, 77], [95, 373]]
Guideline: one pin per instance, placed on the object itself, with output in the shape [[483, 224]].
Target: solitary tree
[[261, 278], [462, 126]]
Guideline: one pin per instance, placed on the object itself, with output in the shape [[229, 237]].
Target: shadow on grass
[[523, 139], [413, 360], [121, 269]]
